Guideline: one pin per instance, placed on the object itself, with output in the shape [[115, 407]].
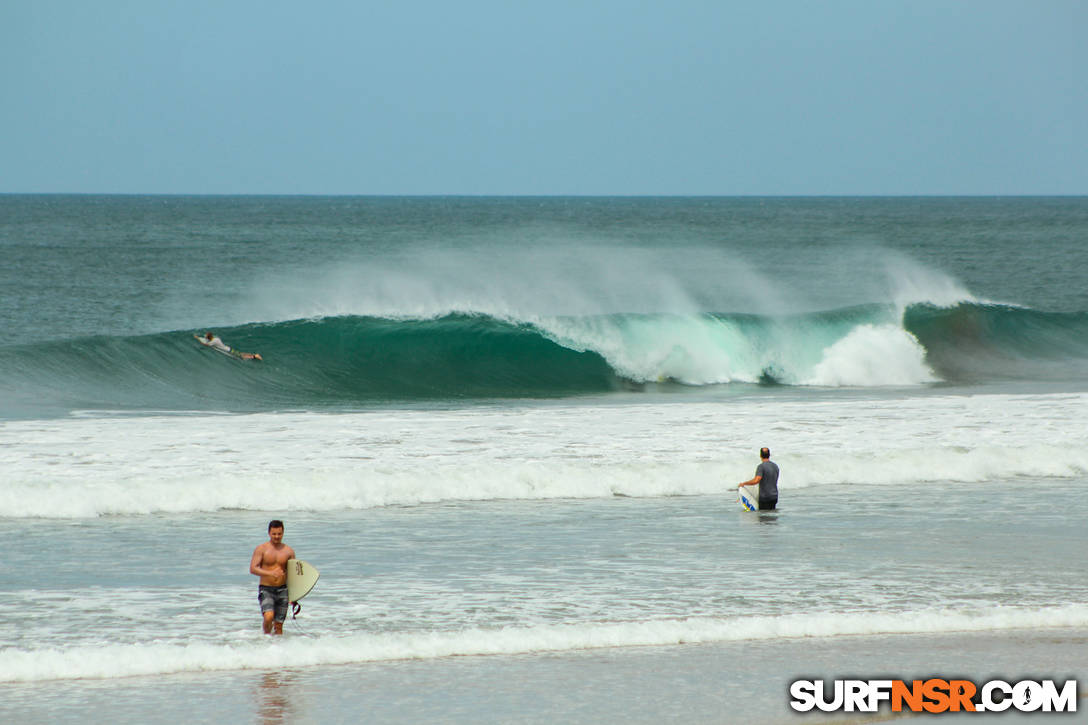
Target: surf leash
[[295, 609]]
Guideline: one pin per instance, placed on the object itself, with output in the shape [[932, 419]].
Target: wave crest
[[356, 360]]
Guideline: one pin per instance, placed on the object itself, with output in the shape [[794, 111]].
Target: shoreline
[[695, 683]]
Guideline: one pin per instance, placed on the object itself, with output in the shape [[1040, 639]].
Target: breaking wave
[[352, 360]]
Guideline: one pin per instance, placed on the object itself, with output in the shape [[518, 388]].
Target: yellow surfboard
[[301, 577]]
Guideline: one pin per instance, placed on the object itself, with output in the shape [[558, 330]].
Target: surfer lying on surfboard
[[213, 341]]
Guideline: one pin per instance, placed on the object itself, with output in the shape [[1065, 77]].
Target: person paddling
[[213, 341]]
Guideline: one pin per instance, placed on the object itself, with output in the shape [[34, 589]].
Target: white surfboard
[[228, 353], [749, 497], [301, 577]]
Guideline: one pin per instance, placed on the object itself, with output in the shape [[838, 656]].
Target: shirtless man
[[270, 564]]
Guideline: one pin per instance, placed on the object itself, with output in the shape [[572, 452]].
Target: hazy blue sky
[[557, 97]]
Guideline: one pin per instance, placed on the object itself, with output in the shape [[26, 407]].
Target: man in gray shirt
[[767, 478]]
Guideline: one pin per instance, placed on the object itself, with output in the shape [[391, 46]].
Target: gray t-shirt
[[768, 482]]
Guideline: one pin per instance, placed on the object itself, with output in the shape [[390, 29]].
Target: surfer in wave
[[269, 562], [213, 341]]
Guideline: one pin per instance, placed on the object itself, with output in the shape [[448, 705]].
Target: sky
[[565, 97]]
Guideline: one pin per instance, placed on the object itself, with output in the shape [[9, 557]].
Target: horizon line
[[297, 195]]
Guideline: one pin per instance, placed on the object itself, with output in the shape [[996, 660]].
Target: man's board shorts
[[273, 599], [767, 504]]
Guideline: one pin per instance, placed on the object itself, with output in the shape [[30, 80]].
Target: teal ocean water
[[362, 301], [508, 431]]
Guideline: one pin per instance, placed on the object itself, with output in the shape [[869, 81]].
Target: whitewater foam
[[873, 355], [716, 349], [696, 349], [247, 652], [94, 466]]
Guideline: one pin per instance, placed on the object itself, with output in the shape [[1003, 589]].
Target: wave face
[[350, 360], [978, 342], [339, 360]]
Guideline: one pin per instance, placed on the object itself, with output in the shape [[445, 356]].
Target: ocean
[[508, 431]]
